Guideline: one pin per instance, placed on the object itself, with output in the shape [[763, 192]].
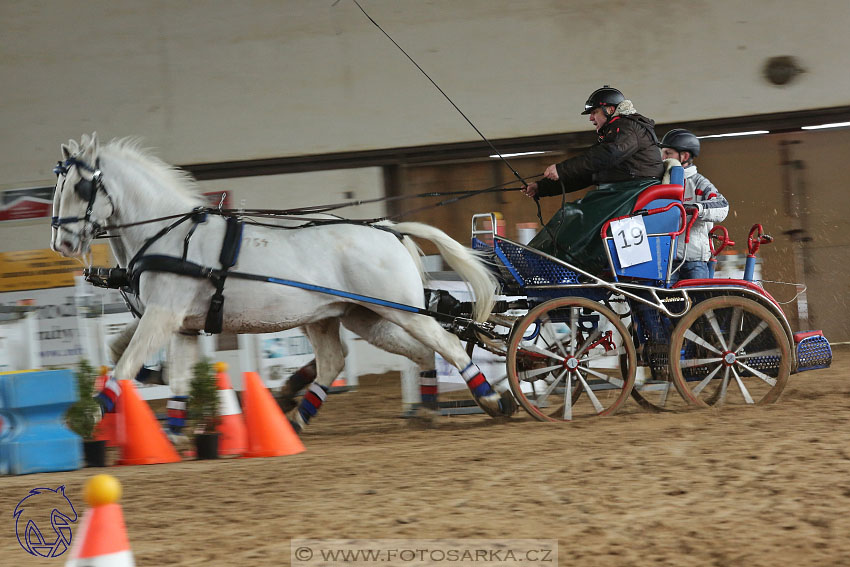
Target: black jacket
[[626, 150]]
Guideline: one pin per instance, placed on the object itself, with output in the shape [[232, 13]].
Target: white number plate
[[630, 241]]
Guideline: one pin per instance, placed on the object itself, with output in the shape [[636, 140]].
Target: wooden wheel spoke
[[531, 347], [551, 387], [573, 328], [699, 362], [528, 374], [590, 394], [704, 382], [588, 341], [774, 352], [744, 391], [724, 386], [734, 323], [606, 377], [764, 377], [753, 334], [693, 337], [546, 324], [712, 320]]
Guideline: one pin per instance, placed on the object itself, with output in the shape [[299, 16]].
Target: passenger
[[712, 207], [624, 161]]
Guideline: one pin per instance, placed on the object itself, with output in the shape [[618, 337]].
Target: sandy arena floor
[[751, 486]]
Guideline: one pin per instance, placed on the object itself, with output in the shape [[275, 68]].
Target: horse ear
[[88, 145], [69, 149]]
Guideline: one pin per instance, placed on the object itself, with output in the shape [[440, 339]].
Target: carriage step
[[813, 351], [452, 407]]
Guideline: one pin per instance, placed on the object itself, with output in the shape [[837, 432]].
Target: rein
[[297, 214]]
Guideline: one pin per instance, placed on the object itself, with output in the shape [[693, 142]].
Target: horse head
[[81, 203]]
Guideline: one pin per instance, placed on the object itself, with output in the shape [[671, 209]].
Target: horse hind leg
[[300, 379], [330, 359], [431, 334], [388, 336]]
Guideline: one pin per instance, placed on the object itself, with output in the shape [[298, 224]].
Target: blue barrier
[[33, 435]]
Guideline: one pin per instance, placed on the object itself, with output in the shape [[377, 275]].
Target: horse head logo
[[62, 515]]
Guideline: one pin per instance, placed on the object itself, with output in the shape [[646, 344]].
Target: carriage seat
[[659, 226], [671, 189]]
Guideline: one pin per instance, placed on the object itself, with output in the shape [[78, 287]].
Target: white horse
[[119, 185]]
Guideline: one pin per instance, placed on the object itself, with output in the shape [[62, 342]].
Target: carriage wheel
[[729, 350], [563, 360]]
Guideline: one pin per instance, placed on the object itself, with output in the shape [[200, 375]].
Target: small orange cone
[[231, 426], [142, 439], [269, 431], [102, 538]]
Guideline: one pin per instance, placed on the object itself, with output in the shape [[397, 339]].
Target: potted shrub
[[83, 416], [203, 409]]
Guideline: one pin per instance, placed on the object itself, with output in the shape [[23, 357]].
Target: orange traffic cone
[[105, 430], [142, 439], [269, 431], [231, 426], [102, 538]]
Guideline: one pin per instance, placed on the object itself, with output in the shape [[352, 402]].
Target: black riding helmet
[[680, 140], [606, 96]]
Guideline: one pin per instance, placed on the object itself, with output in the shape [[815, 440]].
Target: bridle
[[86, 189]]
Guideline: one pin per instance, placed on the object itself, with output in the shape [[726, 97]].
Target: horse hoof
[[498, 405], [508, 404], [177, 439], [296, 426]]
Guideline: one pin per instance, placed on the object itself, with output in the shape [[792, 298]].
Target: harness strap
[[229, 253], [170, 264]]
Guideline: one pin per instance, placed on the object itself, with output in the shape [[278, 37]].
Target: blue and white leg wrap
[[176, 409], [312, 401], [428, 388], [475, 381]]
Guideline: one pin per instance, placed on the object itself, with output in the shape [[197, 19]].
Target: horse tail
[[460, 259]]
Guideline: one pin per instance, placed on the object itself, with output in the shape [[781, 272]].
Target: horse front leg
[[182, 355], [330, 359], [155, 327]]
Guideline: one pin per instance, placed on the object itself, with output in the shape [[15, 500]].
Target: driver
[[624, 161]]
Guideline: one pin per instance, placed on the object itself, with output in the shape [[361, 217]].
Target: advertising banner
[[40, 269], [31, 203]]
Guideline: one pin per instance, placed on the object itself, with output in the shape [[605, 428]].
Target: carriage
[[577, 344]]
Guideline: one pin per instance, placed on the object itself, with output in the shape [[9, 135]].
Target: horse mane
[[175, 178]]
